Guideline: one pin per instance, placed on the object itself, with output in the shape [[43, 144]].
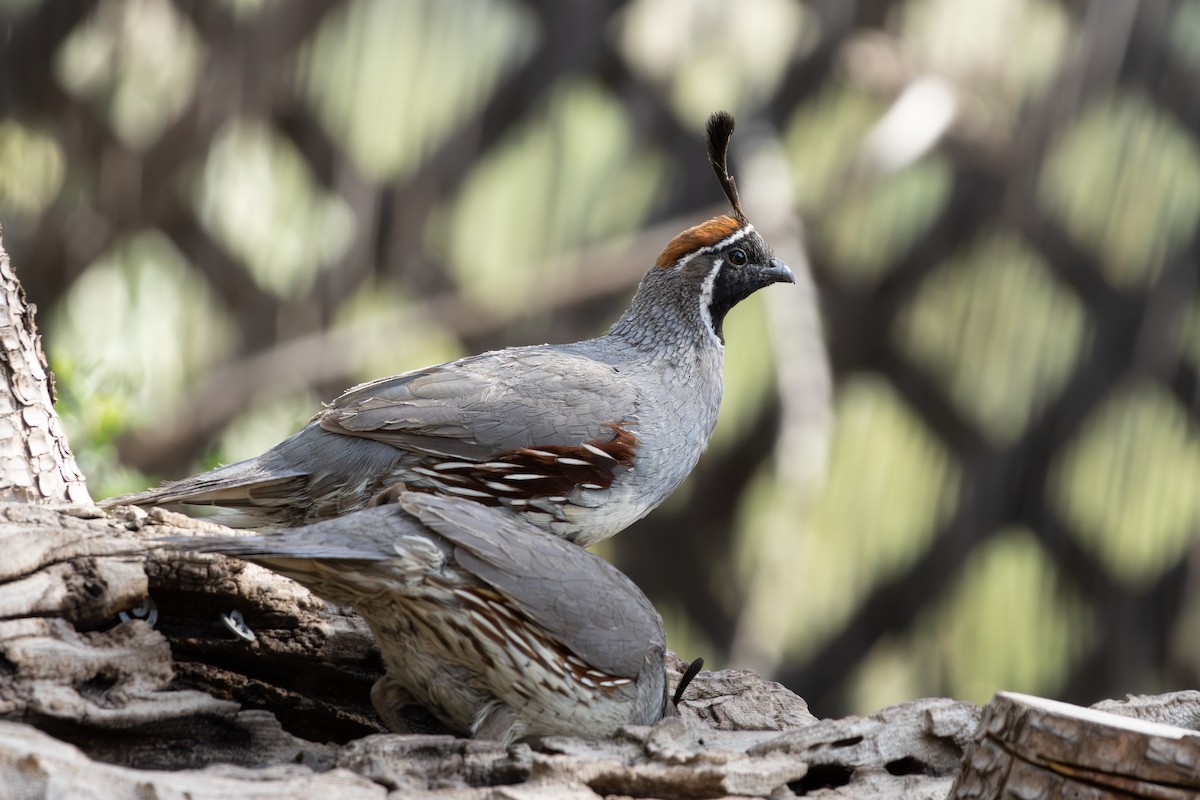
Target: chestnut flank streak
[[545, 471]]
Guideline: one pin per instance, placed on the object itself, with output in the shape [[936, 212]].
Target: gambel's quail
[[580, 439], [499, 630]]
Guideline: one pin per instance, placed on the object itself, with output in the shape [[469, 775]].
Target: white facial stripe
[[740, 233], [706, 295]]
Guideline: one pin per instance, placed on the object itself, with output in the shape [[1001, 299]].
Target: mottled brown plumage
[[499, 630]]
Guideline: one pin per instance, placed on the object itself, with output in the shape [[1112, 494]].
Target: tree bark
[[36, 464]]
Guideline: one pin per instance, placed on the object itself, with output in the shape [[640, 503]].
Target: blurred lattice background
[[230, 211]]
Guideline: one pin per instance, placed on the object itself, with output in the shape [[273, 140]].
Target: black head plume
[[720, 131], [692, 670]]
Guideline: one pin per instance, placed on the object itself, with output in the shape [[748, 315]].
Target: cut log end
[[1033, 747]]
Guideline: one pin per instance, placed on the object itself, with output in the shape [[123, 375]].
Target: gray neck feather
[[664, 319]]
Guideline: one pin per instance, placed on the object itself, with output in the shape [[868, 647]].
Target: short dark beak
[[778, 272]]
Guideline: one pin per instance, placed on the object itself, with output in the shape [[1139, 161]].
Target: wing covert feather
[[492, 403]]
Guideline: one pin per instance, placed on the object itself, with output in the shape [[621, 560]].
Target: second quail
[[499, 630]]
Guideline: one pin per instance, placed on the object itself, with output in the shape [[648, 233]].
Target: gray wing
[[472, 409], [581, 599], [490, 403]]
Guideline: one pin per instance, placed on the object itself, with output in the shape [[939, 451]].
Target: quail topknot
[[498, 629], [578, 439]]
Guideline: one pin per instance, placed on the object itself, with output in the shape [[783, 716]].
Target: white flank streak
[[517, 503], [523, 476], [428, 472], [497, 465], [539, 453], [587, 681], [706, 294], [500, 487], [468, 596], [597, 451], [518, 641], [484, 622], [573, 462], [591, 486], [456, 465], [557, 499], [499, 609], [449, 487], [463, 491]]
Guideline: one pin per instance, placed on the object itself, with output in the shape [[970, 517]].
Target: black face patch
[[733, 284]]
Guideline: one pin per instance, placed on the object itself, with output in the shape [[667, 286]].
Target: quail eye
[[737, 257]]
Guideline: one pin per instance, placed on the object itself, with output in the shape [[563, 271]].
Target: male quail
[[580, 439], [499, 630]]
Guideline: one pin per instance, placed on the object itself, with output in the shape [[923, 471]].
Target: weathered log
[[1031, 747], [1181, 709], [911, 750], [174, 696], [36, 765]]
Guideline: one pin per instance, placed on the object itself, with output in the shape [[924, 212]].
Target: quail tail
[[249, 493]]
